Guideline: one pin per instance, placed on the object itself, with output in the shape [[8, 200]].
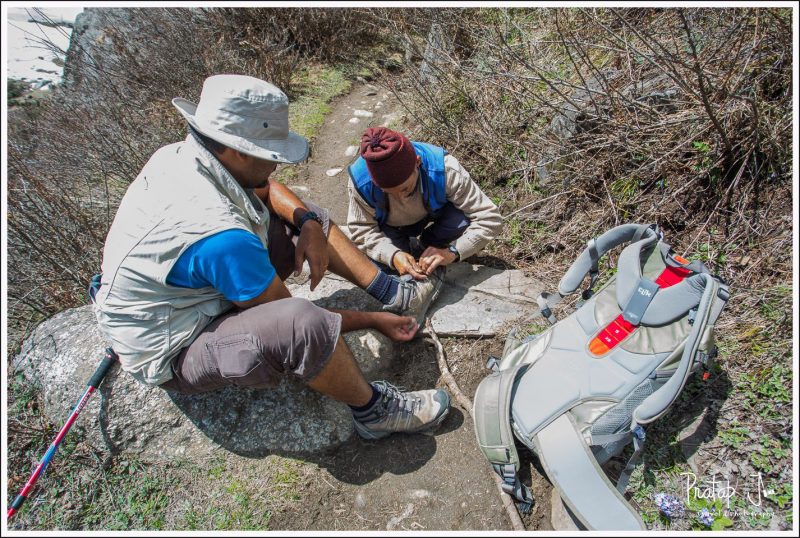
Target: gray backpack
[[579, 392]]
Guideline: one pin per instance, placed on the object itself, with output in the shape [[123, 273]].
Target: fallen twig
[[466, 403]]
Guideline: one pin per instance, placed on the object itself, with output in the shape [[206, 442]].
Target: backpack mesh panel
[[618, 419]]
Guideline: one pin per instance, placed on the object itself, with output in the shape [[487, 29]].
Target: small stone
[[354, 120], [332, 172], [351, 151], [363, 102], [478, 301], [370, 93], [362, 113], [361, 502]]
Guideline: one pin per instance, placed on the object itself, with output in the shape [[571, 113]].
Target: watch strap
[[308, 215]]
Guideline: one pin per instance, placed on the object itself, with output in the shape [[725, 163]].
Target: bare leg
[[341, 379], [345, 260]]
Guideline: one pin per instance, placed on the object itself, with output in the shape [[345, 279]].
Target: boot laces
[[394, 398]]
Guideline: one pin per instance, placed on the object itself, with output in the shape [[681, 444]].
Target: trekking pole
[[105, 365]]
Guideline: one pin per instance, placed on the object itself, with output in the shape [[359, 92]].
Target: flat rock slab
[[482, 301]]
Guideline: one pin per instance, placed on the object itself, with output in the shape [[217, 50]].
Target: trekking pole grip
[[105, 365]]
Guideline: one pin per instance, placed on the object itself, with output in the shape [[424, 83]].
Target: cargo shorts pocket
[[241, 362]]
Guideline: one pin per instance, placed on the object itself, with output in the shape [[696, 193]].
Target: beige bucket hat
[[246, 114]]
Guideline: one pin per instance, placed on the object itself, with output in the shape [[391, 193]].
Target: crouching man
[[413, 209]]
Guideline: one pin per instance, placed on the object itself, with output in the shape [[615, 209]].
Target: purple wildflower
[[669, 505], [705, 517]]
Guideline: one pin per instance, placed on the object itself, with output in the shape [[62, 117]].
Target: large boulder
[[126, 416]]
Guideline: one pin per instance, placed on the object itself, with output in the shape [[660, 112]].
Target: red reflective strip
[[617, 330], [671, 276], [624, 324], [620, 328]]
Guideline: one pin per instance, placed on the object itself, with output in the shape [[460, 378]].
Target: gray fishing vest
[[182, 195]]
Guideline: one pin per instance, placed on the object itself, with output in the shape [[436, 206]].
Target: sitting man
[[413, 207], [203, 229]]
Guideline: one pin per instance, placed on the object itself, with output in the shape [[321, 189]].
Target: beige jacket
[[182, 195], [462, 192]]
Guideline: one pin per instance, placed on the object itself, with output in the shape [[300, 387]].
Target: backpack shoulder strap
[[491, 412], [580, 481], [708, 309], [587, 263]]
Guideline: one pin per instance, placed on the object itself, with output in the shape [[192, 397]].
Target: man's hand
[[434, 257], [312, 245], [405, 263], [398, 328]]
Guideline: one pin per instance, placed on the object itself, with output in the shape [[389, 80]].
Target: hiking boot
[[407, 412], [415, 296]]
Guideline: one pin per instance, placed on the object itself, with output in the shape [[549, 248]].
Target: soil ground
[[404, 482]]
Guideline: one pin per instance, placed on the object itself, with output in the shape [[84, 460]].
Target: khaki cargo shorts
[[258, 346]]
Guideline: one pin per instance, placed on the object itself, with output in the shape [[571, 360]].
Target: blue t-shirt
[[234, 262]]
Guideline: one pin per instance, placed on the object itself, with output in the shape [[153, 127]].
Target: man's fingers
[[315, 279], [417, 274], [436, 262], [298, 259], [430, 251], [413, 329], [318, 268]]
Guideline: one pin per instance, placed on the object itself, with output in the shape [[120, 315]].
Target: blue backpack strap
[[433, 177], [362, 181], [94, 286]]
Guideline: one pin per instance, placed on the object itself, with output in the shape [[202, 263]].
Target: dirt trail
[[329, 151], [404, 482]]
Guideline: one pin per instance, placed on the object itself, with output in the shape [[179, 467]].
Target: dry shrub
[[580, 119], [277, 38]]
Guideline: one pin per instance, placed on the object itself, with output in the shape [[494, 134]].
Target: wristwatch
[[308, 215], [454, 250]]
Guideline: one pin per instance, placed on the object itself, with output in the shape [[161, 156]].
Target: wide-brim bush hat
[[246, 114]]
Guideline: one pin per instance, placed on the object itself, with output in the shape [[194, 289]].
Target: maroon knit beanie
[[389, 155]]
